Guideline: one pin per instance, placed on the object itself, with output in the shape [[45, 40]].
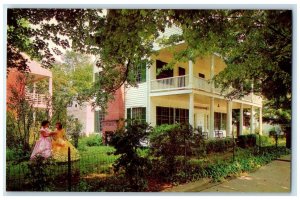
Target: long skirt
[[42, 148]]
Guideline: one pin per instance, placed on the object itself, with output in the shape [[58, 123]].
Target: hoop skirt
[[60, 148], [42, 146]]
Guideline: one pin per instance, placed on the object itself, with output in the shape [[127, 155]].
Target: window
[[138, 113], [220, 121], [99, 117], [201, 75], [162, 73], [168, 115], [182, 116], [140, 75]]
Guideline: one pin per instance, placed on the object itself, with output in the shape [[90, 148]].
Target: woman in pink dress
[[43, 145]]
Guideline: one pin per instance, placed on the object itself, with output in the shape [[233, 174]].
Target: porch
[[38, 89], [177, 83], [215, 117]]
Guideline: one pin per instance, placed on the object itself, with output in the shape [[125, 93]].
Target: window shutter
[[143, 71], [128, 113]]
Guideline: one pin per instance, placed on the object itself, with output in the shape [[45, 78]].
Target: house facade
[[185, 94], [84, 113], [27, 84]]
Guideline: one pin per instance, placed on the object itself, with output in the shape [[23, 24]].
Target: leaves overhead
[[255, 44]]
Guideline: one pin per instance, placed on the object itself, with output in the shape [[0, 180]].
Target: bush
[[219, 145], [40, 174], [17, 154], [245, 141], [127, 142], [245, 162], [167, 144], [94, 140], [263, 141]]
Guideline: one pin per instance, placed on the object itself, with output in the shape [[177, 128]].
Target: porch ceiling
[[166, 55], [199, 100]]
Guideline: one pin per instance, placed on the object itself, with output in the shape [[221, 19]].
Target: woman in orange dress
[[60, 146]]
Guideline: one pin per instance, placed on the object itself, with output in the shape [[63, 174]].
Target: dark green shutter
[[143, 71], [96, 122], [128, 113], [144, 114]]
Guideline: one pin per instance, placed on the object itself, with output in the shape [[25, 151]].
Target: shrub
[[127, 142], [245, 141], [40, 174], [94, 140], [167, 144], [17, 154], [245, 162], [219, 145], [264, 141]]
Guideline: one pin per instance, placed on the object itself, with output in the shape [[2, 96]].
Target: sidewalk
[[273, 177]]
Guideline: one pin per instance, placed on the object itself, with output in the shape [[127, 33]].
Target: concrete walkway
[[273, 177]]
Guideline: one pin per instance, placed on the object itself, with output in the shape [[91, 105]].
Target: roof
[[36, 68]]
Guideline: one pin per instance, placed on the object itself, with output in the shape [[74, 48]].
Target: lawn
[[96, 164]]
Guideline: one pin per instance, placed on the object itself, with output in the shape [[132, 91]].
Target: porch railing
[[176, 82], [182, 82], [36, 98]]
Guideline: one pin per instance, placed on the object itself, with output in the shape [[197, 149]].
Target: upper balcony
[[183, 82], [37, 100]]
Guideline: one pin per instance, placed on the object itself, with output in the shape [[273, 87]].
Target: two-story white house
[[185, 95]]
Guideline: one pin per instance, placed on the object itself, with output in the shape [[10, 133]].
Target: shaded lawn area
[[95, 159]]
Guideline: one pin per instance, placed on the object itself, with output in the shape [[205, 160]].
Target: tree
[[71, 80], [255, 44], [20, 117], [31, 31]]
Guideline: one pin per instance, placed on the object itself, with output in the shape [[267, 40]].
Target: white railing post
[[191, 74]]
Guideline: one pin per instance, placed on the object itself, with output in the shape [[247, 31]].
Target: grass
[[97, 161]]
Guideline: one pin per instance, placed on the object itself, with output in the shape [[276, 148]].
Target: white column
[[252, 120], [34, 89], [252, 85], [229, 119], [211, 117], [148, 81], [260, 120], [191, 74], [191, 110], [50, 86], [212, 71], [241, 119]]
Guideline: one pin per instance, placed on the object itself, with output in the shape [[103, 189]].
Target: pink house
[[18, 82], [115, 113]]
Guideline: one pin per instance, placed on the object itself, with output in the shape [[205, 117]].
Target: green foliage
[[219, 145], [245, 162], [71, 81], [19, 116], [93, 140], [40, 174], [74, 129], [127, 142], [246, 140], [168, 143]]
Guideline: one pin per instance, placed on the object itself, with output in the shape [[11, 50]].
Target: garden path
[[273, 177]]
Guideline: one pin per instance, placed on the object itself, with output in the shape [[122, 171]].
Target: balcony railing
[[38, 100], [182, 82], [176, 82]]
